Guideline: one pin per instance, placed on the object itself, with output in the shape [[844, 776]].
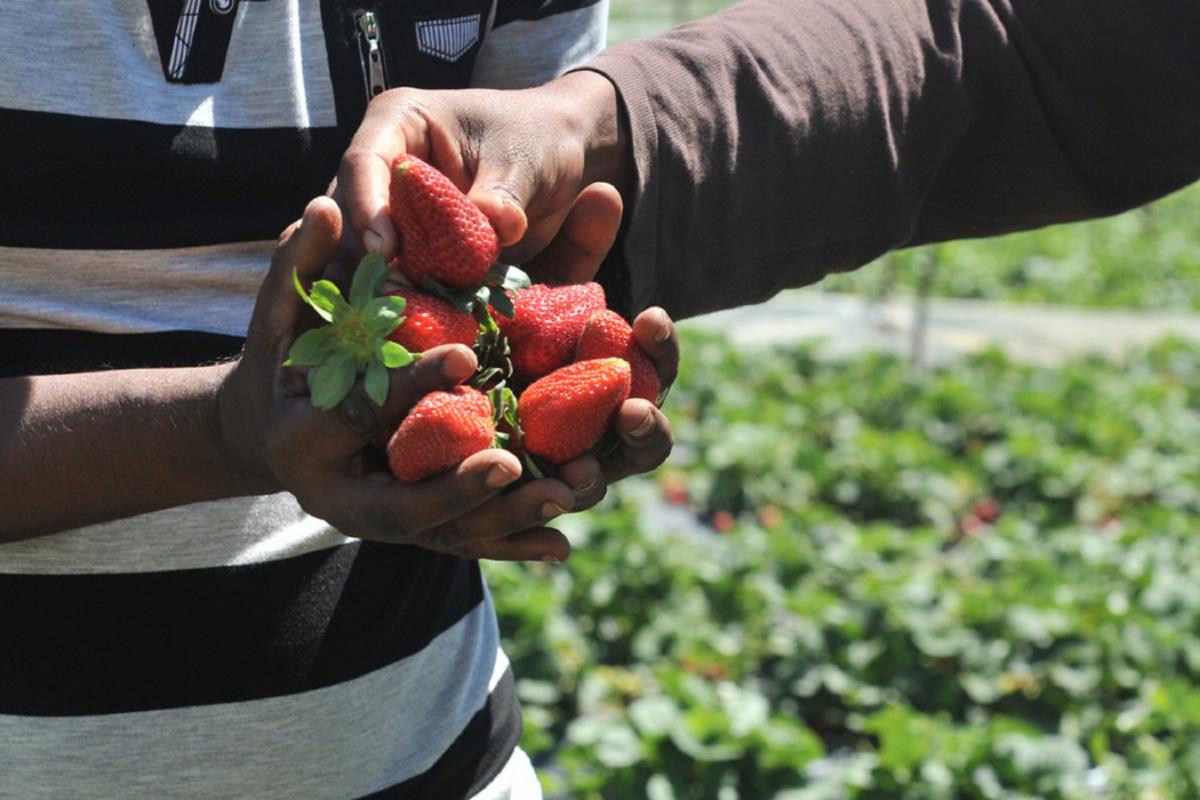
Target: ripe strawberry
[[441, 430], [565, 413], [723, 521], [430, 321], [546, 325], [608, 335], [987, 509], [443, 235]]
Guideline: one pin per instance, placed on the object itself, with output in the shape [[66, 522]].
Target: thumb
[[306, 247], [502, 193]]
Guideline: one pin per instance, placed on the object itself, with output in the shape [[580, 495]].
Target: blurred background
[[930, 531]]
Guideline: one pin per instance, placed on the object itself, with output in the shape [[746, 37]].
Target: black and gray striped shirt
[[153, 150]]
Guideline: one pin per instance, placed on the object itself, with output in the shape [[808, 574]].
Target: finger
[[646, 440], [438, 369], [586, 479], [502, 190], [656, 335], [535, 544], [533, 505], [379, 506], [394, 123], [587, 234], [306, 247]]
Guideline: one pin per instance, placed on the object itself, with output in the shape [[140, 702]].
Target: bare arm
[[784, 139], [90, 447], [100, 446]]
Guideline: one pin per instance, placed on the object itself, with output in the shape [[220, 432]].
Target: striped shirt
[[238, 648]]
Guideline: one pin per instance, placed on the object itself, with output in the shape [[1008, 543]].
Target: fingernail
[[552, 509], [500, 476], [644, 427], [587, 487], [372, 241], [552, 559]]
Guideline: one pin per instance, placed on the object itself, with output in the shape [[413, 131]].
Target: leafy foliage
[[1146, 258], [981, 582]]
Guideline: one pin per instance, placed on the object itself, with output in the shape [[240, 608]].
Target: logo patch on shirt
[[448, 39], [193, 37]]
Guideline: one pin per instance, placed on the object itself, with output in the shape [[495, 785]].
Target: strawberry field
[[1148, 258], [858, 581], [853, 581]]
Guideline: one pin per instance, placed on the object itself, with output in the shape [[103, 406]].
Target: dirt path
[[1036, 334]]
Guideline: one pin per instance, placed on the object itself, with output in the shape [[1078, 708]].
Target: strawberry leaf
[[381, 326], [368, 279], [325, 296], [332, 381], [486, 376], [326, 314], [503, 304], [311, 348], [384, 314], [462, 299], [377, 382], [507, 276], [394, 355]]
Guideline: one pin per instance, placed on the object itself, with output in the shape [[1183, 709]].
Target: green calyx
[[354, 341], [506, 415], [498, 285]]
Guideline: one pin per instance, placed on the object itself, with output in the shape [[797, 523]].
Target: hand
[[644, 434], [521, 156], [643, 431], [267, 419]]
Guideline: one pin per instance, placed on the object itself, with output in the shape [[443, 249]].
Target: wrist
[[238, 441], [595, 120]]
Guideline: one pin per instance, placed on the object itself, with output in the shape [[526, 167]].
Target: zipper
[[370, 50]]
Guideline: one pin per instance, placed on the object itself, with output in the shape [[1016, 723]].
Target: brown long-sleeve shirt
[[782, 140]]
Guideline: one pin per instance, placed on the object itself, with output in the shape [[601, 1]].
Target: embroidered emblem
[[448, 39]]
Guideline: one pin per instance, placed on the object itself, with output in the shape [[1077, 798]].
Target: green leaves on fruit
[[499, 281], [354, 340]]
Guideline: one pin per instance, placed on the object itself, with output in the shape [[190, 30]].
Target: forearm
[[784, 139], [86, 448]]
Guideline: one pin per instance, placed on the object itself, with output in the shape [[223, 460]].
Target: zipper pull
[[370, 50]]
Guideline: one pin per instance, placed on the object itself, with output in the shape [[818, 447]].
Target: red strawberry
[[546, 325], [608, 335], [565, 413], [441, 430], [443, 235], [987, 509], [430, 321]]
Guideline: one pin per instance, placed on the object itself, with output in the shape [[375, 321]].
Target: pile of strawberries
[[554, 363]]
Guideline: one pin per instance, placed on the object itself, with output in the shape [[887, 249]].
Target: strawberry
[[443, 235], [608, 335], [430, 321], [441, 430], [565, 413], [545, 326]]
